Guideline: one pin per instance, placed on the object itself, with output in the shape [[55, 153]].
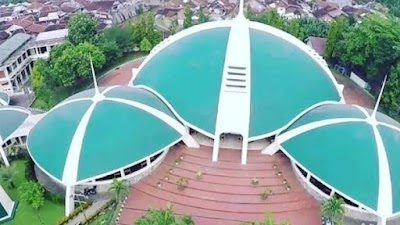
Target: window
[[19, 60], [43, 50], [24, 56], [348, 202], [303, 172], [136, 167], [110, 177], [320, 186], [155, 157], [29, 52]]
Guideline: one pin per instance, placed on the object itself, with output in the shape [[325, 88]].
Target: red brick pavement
[[121, 76], [225, 194]]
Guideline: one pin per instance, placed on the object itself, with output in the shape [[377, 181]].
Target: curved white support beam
[[272, 148], [69, 200], [190, 141]]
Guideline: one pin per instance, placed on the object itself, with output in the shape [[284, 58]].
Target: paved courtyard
[[225, 194]]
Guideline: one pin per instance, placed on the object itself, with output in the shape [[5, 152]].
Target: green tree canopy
[[203, 18], [314, 27], [32, 193], [81, 28], [145, 45], [145, 28], [293, 27], [73, 66], [333, 209], [163, 217], [335, 36], [124, 37], [119, 188], [373, 45], [391, 94], [272, 18], [187, 21]]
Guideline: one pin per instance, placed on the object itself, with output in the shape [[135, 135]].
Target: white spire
[[96, 89], [241, 9], [379, 99]]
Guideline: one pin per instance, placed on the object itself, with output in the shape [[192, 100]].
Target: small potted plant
[[159, 184], [255, 181], [182, 183], [265, 194], [176, 163], [284, 181], [274, 166], [279, 173], [166, 177], [170, 170], [288, 187], [181, 157], [199, 175]]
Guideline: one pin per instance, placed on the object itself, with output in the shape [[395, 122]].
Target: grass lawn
[[50, 213]]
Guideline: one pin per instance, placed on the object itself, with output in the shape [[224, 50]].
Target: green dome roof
[[11, 117], [350, 151], [90, 135], [286, 76], [4, 99]]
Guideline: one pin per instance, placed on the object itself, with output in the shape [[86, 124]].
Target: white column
[[271, 148], [382, 221], [148, 162], [189, 141], [216, 147], [244, 150], [69, 200], [4, 156]]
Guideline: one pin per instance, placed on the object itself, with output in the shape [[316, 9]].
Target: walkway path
[[121, 76], [225, 195], [89, 211]]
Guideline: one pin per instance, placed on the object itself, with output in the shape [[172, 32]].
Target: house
[[318, 44]]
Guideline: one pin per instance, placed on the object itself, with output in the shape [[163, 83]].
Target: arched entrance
[[230, 141]]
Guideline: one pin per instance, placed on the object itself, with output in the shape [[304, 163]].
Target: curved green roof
[[4, 99], [86, 138], [11, 117], [188, 72], [350, 151]]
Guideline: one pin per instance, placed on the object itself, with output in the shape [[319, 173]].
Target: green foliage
[[173, 26], [32, 193], [73, 66], [13, 150], [187, 21], [81, 28], [203, 18], [110, 49], [249, 13], [119, 188], [7, 174], [145, 45], [163, 217], [293, 27], [333, 209], [74, 214], [391, 94], [145, 28], [124, 37], [314, 27], [272, 18], [268, 220], [373, 45], [334, 36]]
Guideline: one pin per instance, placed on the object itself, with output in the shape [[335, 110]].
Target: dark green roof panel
[[10, 120], [337, 163], [326, 112], [188, 74], [55, 132], [391, 140], [293, 80], [142, 136], [140, 96]]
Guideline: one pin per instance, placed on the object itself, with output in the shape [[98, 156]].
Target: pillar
[[271, 148], [245, 144], [382, 221], [216, 147], [69, 200], [190, 141], [4, 156]]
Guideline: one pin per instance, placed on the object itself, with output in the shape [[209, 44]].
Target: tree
[[145, 28], [163, 217], [372, 46], [32, 193], [272, 18], [81, 28], [334, 36], [391, 94], [333, 209], [145, 45], [173, 26], [268, 220], [73, 66], [203, 18], [124, 37], [7, 175], [313, 27], [119, 188], [110, 49], [43, 83], [187, 21], [294, 29], [249, 13], [14, 150]]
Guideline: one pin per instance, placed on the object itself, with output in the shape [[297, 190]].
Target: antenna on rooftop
[[379, 98], [241, 9], [96, 89]]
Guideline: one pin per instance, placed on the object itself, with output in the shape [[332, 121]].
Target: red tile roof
[[36, 28]]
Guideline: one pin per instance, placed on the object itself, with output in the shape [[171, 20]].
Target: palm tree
[[163, 217], [7, 174], [119, 187], [333, 209], [14, 150]]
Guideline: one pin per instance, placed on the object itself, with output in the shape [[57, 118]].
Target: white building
[[18, 54]]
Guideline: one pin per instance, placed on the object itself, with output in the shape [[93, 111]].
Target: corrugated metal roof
[[11, 45]]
